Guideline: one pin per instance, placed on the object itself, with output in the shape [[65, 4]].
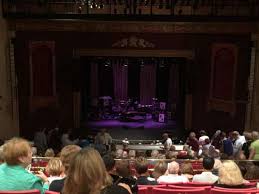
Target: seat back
[[220, 190], [51, 192], [178, 191], [34, 191], [149, 188], [142, 190]]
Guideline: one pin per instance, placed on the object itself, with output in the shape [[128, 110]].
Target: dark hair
[[141, 165], [109, 162], [208, 163]]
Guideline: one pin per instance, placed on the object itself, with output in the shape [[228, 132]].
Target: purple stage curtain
[[147, 84], [120, 80], [94, 92], [173, 85]]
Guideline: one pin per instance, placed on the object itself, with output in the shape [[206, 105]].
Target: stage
[[147, 129]]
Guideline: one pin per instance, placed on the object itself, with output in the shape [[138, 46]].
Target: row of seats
[[34, 191], [177, 189]]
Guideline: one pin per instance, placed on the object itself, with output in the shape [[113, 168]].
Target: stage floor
[[147, 129]]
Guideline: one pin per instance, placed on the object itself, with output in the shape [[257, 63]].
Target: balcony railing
[[133, 9]]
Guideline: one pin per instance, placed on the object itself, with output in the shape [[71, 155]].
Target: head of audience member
[[186, 168], [34, 151], [248, 135], [170, 155], [252, 173], [1, 155], [132, 154], [208, 163], [67, 154], [235, 135], [255, 135], [173, 168], [223, 135], [109, 163], [203, 132], [148, 153], [172, 148], [141, 166], [122, 168], [119, 153], [160, 169], [154, 153], [87, 173], [125, 155], [165, 136], [103, 131], [49, 153], [230, 174], [243, 166], [192, 135], [55, 167], [17, 151]]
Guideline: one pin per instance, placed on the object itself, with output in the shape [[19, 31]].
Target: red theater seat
[[218, 190], [178, 191], [34, 191], [51, 192]]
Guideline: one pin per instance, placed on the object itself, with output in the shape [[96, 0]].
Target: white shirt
[[238, 144], [172, 178], [53, 178], [202, 139], [205, 177], [168, 143]]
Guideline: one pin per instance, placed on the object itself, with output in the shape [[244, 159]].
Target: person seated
[[141, 166], [87, 174], [187, 170], [49, 153], [172, 176], [109, 163], [124, 172], [13, 174], [230, 176], [203, 136], [160, 169], [55, 170], [66, 156], [206, 176], [193, 142]]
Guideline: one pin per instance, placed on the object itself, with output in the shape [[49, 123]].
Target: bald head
[[173, 168]]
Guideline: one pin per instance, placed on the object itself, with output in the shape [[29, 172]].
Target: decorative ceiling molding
[[137, 27], [133, 42]]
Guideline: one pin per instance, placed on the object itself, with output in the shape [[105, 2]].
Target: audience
[[172, 175], [87, 174], [66, 156], [18, 155], [160, 169], [141, 165], [55, 170], [187, 170], [230, 176], [49, 153], [206, 176], [109, 163]]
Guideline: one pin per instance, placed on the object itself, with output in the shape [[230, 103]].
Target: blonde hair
[[230, 174], [14, 149], [54, 167], [87, 174], [159, 169], [186, 168], [49, 153], [67, 154]]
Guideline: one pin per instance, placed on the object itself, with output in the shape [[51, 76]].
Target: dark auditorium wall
[[66, 82]]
